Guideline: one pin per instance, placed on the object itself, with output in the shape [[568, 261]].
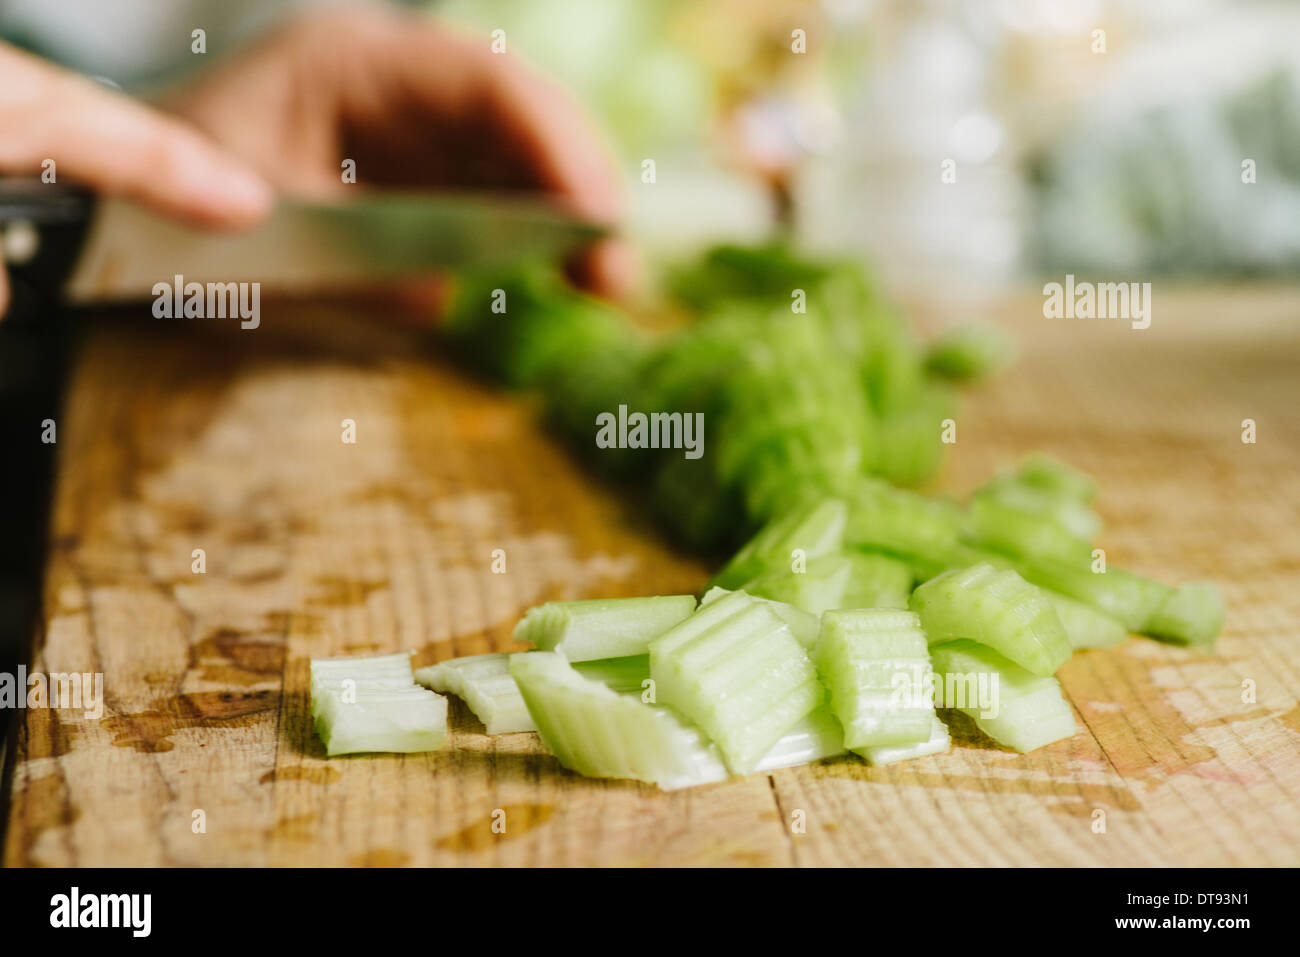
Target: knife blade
[[302, 246]]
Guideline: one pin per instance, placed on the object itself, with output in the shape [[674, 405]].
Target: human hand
[[115, 145]]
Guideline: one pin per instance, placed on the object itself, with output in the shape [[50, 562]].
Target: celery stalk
[[483, 682], [373, 704], [937, 743], [1086, 627], [1192, 615], [803, 626], [602, 628], [815, 528], [820, 586]]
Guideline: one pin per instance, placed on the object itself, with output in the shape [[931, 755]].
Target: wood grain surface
[[177, 436]]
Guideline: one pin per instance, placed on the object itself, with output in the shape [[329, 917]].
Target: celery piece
[[483, 682], [820, 586], [600, 733], [877, 581], [970, 352], [816, 528], [1069, 514], [1012, 706], [624, 675], [1128, 598], [1192, 615], [1045, 472], [877, 667], [999, 526], [803, 626], [602, 627], [816, 736], [735, 669], [937, 743], [1086, 627], [996, 608], [903, 523], [373, 704]]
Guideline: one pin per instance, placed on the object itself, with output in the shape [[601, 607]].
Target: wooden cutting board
[[179, 436]]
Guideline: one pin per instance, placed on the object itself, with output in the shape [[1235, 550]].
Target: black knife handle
[[42, 228]]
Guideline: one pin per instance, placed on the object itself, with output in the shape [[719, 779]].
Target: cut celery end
[[937, 743], [877, 581], [1126, 597], [816, 528], [1062, 511], [803, 626], [735, 669], [598, 732], [995, 524], [1086, 627], [483, 682], [903, 523], [1021, 710], [820, 586], [602, 628], [996, 608], [812, 738], [1192, 615], [624, 675], [402, 722], [877, 667]]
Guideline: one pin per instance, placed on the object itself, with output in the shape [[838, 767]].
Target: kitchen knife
[[91, 250]]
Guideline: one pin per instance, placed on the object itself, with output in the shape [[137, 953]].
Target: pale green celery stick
[[903, 523], [820, 586], [600, 733], [937, 743], [877, 667], [803, 626], [996, 608], [1013, 707], [814, 737], [815, 527], [483, 682], [624, 675], [1086, 627], [877, 581], [397, 721], [602, 627], [970, 352], [1126, 597], [366, 673], [735, 670], [1045, 472], [997, 525], [1072, 516], [1192, 615]]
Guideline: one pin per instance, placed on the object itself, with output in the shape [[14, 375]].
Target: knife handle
[[42, 228]]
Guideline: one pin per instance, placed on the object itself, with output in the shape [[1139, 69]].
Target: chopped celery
[[600, 733], [1126, 597], [624, 675], [735, 669], [994, 523], [803, 626], [1012, 706], [813, 737], [1086, 627], [877, 667], [969, 353], [1072, 516], [996, 608], [877, 581], [373, 704], [1192, 615], [814, 590], [483, 682], [937, 743], [903, 523], [1043, 471], [602, 627], [816, 528]]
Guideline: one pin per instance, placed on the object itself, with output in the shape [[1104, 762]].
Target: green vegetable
[[814, 590], [1192, 615], [1126, 597], [624, 675], [373, 704], [816, 528], [600, 733], [876, 581], [816, 736], [969, 353], [602, 627], [937, 743], [903, 523], [877, 667], [1044, 472], [1086, 627], [996, 608], [804, 626], [997, 525], [735, 670], [483, 682], [1012, 706]]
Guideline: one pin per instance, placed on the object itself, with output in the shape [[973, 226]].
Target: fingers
[[116, 146]]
